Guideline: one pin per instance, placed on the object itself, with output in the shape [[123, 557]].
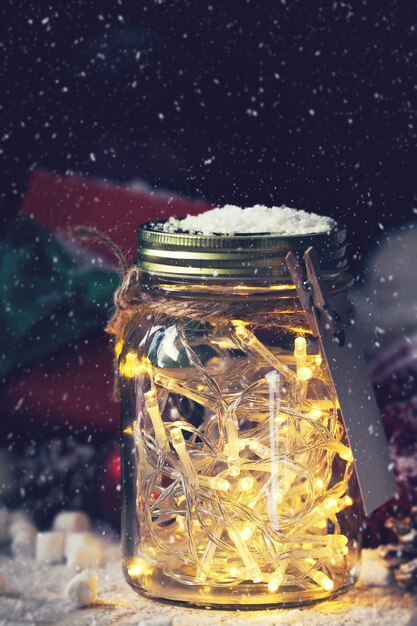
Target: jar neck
[[192, 288], [282, 296]]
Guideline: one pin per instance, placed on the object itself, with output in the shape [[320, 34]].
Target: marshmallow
[[83, 551], [4, 526], [373, 572], [20, 525], [72, 522], [156, 621], [24, 539], [75, 541], [82, 589], [83, 558], [19, 516], [50, 547]]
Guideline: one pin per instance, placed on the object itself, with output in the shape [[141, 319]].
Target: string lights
[[248, 496]]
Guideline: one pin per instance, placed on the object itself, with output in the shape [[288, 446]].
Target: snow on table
[[35, 596]]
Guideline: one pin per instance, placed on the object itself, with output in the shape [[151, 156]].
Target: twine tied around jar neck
[[132, 297]]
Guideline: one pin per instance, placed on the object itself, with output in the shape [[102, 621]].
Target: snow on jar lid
[[242, 244]]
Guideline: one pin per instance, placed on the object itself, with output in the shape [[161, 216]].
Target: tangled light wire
[[248, 495]]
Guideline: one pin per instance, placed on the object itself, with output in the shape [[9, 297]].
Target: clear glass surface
[[238, 483]]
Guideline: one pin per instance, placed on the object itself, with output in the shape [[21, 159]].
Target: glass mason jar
[[238, 483]]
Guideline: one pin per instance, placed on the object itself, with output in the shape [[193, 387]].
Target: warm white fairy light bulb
[[262, 451], [304, 372], [343, 451], [253, 343], [315, 414], [152, 406], [277, 576], [232, 428], [180, 388], [139, 567], [129, 366], [178, 442], [253, 571], [246, 532], [214, 482], [323, 580], [246, 483], [307, 567]]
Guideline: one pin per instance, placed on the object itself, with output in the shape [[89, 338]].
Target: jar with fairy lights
[[251, 440]]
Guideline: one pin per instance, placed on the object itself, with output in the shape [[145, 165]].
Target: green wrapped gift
[[51, 293]]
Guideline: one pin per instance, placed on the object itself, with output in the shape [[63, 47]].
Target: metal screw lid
[[242, 257]]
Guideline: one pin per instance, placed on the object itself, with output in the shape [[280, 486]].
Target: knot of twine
[[129, 293]]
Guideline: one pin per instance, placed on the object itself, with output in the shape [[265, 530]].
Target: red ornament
[[110, 485]]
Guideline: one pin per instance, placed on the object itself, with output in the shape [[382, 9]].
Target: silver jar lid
[[250, 258]]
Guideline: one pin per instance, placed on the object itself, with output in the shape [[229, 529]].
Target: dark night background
[[306, 103], [299, 102]]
